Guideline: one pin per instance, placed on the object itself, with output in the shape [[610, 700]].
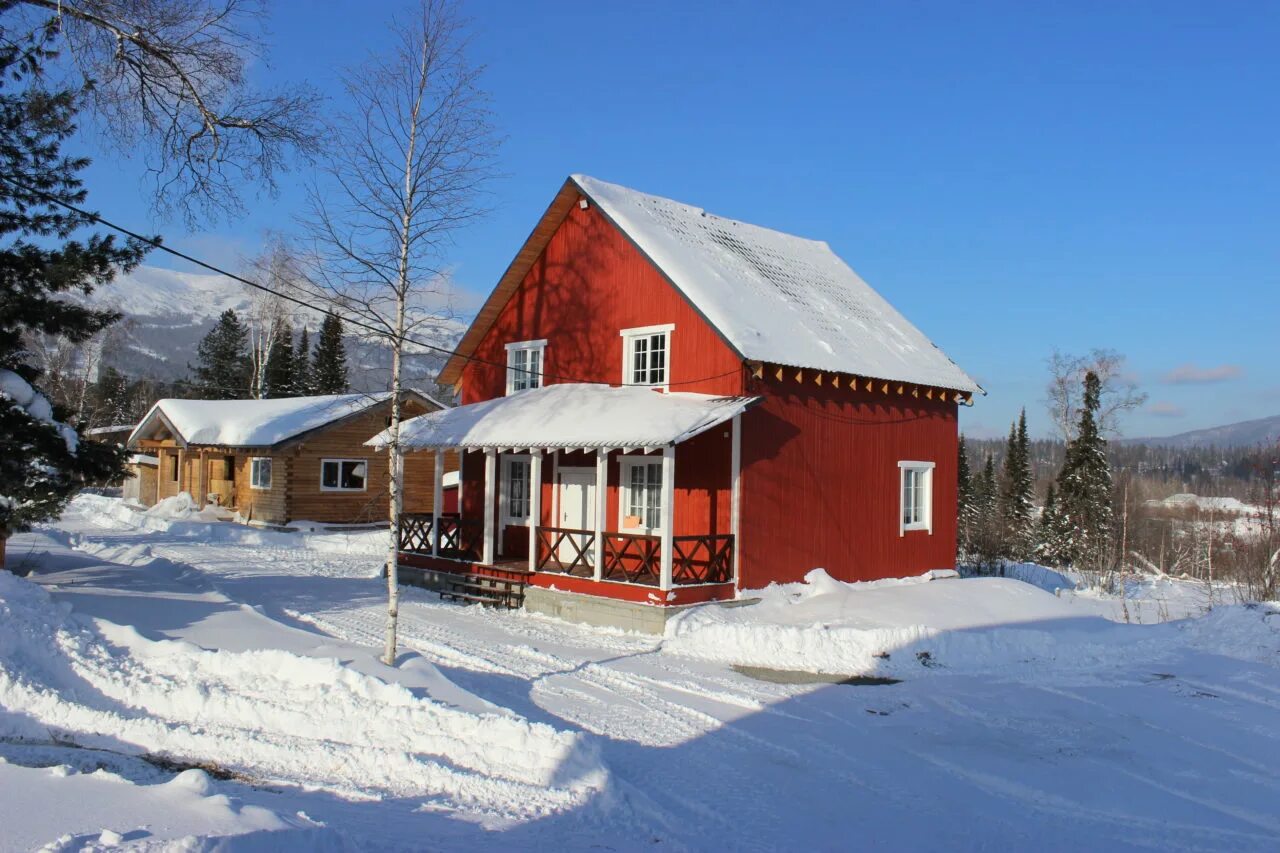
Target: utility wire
[[155, 243]]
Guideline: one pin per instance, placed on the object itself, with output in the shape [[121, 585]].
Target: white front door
[[577, 507]]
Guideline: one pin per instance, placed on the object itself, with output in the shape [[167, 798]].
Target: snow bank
[[271, 715], [900, 627]]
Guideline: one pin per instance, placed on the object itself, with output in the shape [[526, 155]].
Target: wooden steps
[[486, 590]]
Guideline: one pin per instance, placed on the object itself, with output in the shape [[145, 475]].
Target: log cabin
[[661, 407], [281, 461]]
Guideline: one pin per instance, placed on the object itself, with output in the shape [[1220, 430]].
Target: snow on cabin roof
[[252, 423], [571, 415], [775, 297]]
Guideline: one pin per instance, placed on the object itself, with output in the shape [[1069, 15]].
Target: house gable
[[587, 284]]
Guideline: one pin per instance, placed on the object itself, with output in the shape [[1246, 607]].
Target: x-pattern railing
[[554, 542], [702, 559], [459, 538], [633, 557]]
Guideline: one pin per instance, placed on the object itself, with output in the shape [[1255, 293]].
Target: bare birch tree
[[278, 267], [407, 170], [168, 77], [1119, 393]]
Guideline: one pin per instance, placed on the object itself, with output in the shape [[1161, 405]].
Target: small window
[[173, 468], [641, 494], [524, 365], [515, 488], [343, 475], [646, 356], [917, 496], [260, 472]]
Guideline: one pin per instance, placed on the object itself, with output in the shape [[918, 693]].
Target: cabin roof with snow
[[571, 415], [255, 423], [772, 297]]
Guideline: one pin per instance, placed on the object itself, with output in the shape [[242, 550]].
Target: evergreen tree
[[986, 536], [329, 367], [1018, 493], [302, 381], [280, 380], [224, 371], [964, 501], [1084, 488], [42, 460], [1051, 537]]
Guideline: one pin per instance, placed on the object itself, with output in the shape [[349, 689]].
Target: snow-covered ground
[[171, 682]]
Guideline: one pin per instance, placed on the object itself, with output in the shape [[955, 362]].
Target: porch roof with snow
[[570, 415], [255, 423], [772, 297]]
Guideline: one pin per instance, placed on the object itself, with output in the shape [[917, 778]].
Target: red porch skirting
[[568, 583]]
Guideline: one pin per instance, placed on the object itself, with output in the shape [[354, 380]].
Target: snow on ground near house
[[1034, 720]]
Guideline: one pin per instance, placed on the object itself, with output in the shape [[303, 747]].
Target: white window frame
[[924, 469], [629, 338], [535, 377], [338, 461], [253, 472], [504, 488], [625, 464]]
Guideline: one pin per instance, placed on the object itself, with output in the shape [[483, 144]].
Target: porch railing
[[636, 557], [460, 539]]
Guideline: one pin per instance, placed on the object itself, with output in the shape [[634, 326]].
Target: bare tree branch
[[1065, 390]]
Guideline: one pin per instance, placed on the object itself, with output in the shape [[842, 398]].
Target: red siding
[[588, 285], [820, 483]]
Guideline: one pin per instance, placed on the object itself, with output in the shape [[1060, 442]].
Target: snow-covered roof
[[108, 430], [571, 415], [144, 459], [253, 423], [775, 297]]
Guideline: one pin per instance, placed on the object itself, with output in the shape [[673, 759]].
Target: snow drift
[[270, 715]]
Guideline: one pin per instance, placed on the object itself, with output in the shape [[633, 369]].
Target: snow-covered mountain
[[167, 312], [1241, 434]]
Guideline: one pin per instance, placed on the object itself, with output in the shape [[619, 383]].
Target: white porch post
[[602, 494], [735, 499], [668, 513], [490, 493], [535, 505], [436, 500]]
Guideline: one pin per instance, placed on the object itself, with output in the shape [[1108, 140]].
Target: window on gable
[[260, 472], [917, 496], [343, 475], [524, 365], [641, 494], [646, 356]]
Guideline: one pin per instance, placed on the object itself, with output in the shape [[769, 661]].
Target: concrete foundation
[[609, 612]]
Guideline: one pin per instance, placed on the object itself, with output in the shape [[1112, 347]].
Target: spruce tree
[[224, 371], [42, 460], [329, 367], [985, 537], [1018, 494], [1084, 488], [964, 501], [302, 382], [279, 379]]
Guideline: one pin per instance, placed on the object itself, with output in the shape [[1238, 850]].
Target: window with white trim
[[646, 356], [917, 496], [260, 472], [641, 504], [515, 489], [524, 365], [343, 475]]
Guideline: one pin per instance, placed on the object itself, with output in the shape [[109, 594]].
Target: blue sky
[[1014, 177]]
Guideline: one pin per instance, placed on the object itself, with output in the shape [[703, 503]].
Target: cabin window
[[173, 468], [917, 496], [515, 489], [524, 365], [641, 503], [260, 472], [646, 356], [343, 475]]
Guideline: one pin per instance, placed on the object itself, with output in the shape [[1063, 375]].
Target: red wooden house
[[703, 406]]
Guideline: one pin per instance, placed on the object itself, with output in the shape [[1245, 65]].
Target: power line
[[155, 243]]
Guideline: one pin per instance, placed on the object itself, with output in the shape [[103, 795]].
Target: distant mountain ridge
[[166, 313], [1241, 434]]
